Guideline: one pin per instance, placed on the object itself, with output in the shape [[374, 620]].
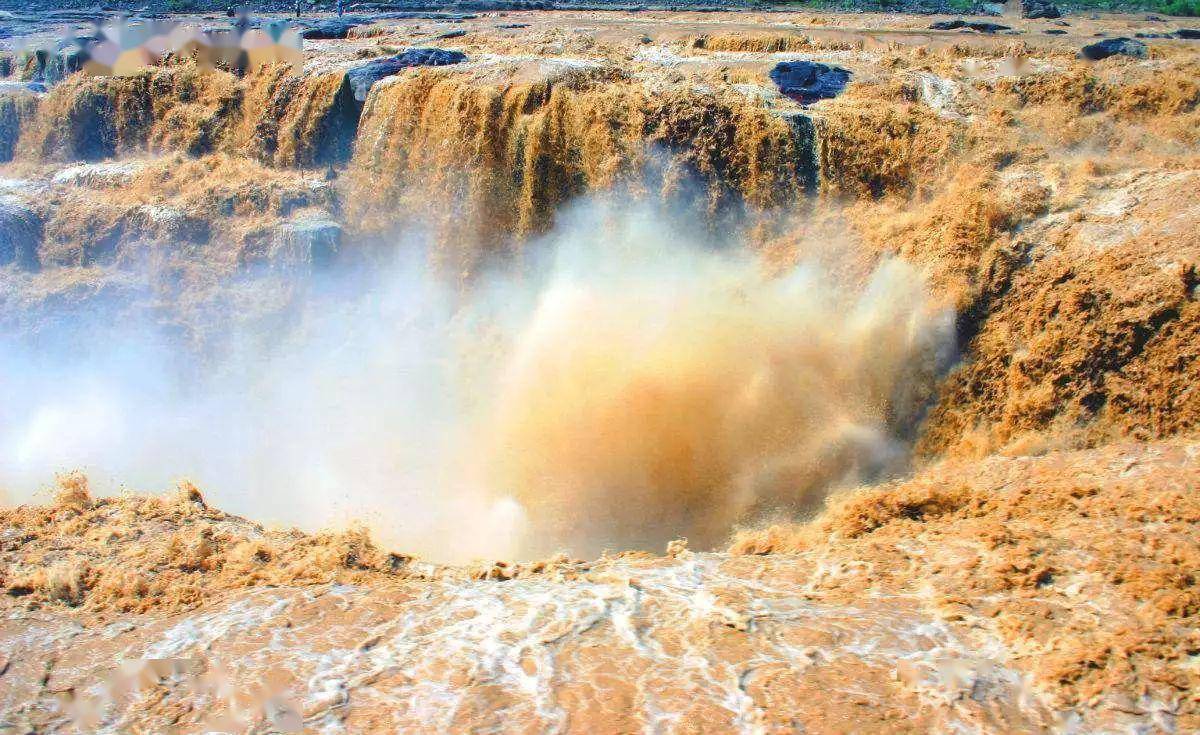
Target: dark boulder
[[958, 23], [1114, 47], [988, 27], [807, 81], [331, 28], [1192, 34], [459, 33], [1039, 9], [362, 78], [1055, 32]]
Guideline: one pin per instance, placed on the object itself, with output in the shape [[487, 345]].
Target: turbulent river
[[884, 331], [700, 643]]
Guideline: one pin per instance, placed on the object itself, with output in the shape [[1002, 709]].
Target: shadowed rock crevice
[[18, 104], [20, 234]]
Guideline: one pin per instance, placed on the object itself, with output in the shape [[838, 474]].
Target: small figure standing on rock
[[340, 7]]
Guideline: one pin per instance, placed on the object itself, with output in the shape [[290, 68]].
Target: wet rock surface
[[20, 233], [1114, 47], [48, 67], [362, 78], [331, 28], [97, 175], [311, 242], [1039, 9], [807, 81], [9, 87], [18, 100], [980, 26]]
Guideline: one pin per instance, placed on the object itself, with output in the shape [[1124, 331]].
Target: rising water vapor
[[660, 390], [622, 388]]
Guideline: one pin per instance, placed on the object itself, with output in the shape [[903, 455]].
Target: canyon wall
[[1049, 208]]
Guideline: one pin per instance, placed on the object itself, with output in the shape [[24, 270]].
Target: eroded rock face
[[1114, 47], [807, 81], [364, 77], [90, 131], [305, 243], [331, 29], [20, 233], [18, 102], [48, 67], [1039, 9]]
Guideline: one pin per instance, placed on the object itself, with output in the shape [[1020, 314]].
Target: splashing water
[[624, 389]]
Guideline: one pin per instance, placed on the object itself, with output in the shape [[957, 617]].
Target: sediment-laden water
[[906, 352]]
